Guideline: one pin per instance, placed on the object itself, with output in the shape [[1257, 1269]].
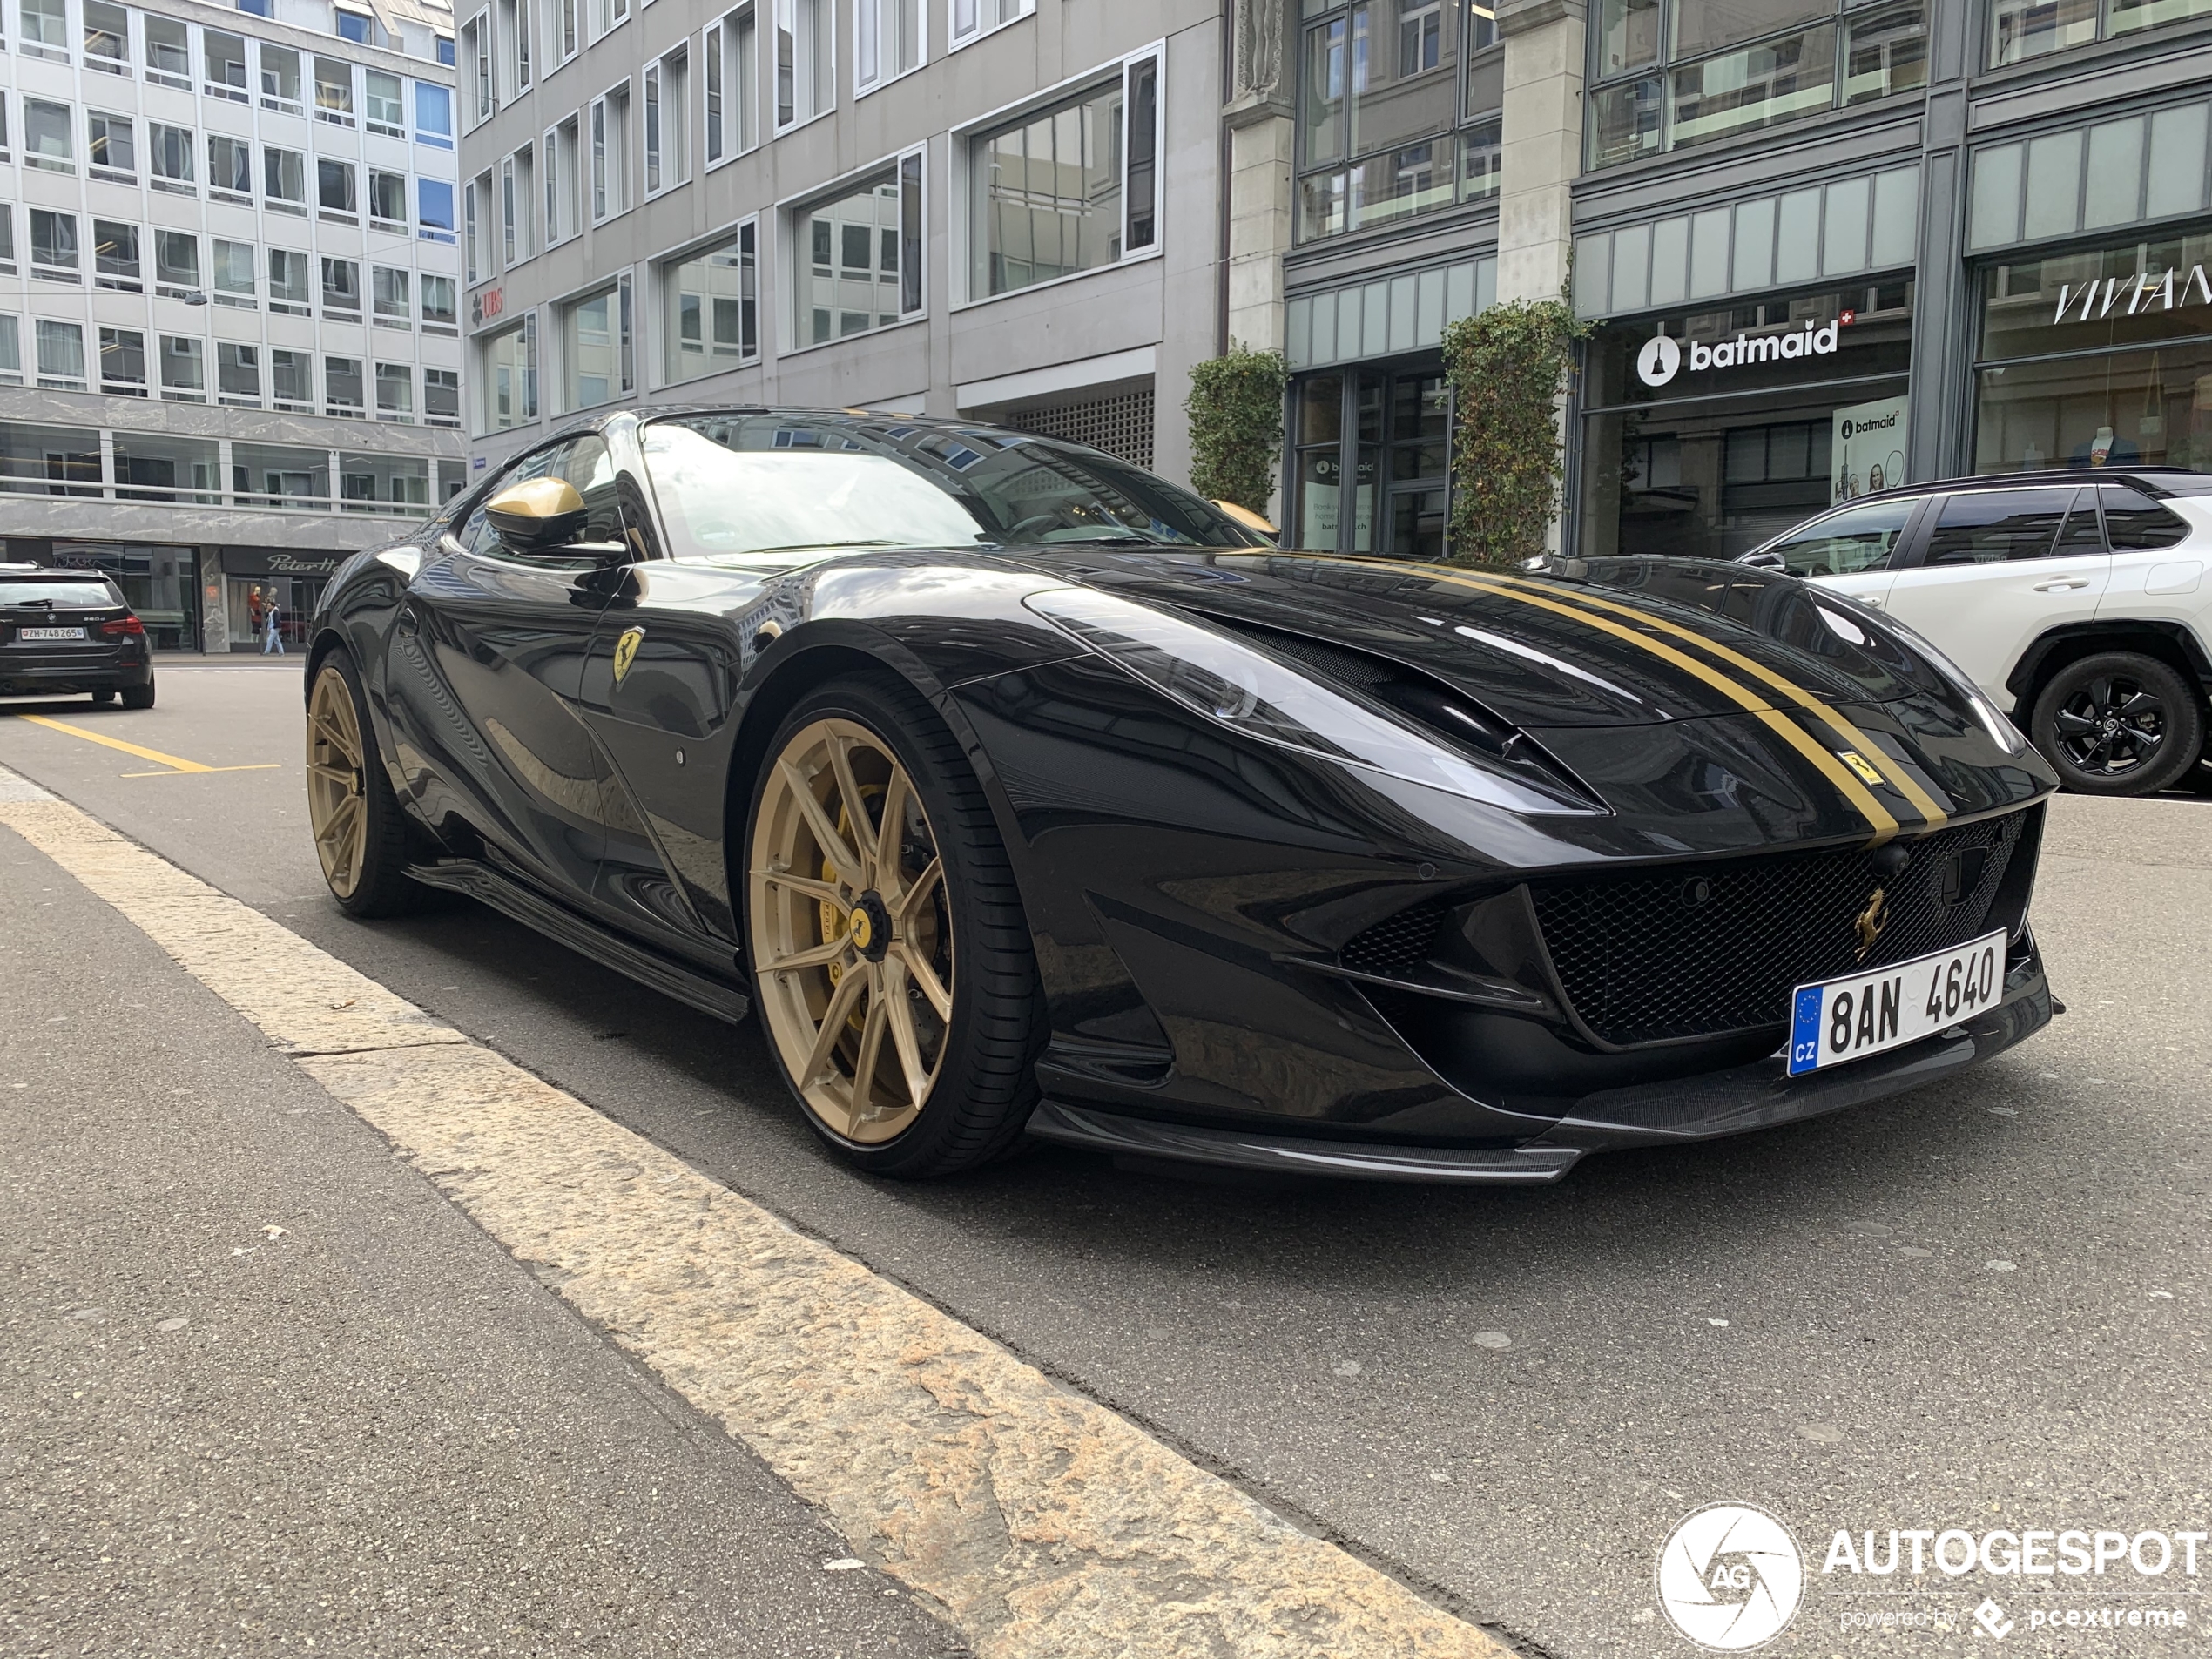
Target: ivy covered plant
[[1236, 410], [1508, 367]]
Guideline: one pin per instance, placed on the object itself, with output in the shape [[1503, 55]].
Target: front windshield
[[753, 483]]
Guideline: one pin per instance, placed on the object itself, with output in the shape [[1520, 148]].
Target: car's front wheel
[[361, 834], [2118, 723], [892, 964]]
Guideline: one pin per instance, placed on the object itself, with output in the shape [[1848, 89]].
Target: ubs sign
[[1661, 359]]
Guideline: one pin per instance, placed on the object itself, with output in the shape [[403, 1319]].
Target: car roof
[[2156, 480]]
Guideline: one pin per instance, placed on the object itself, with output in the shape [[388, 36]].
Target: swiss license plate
[[50, 633], [1848, 1019]]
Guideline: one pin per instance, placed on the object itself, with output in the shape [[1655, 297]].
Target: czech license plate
[[1848, 1019], [50, 633]]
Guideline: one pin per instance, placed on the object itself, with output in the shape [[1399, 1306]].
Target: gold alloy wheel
[[337, 807], [850, 933]]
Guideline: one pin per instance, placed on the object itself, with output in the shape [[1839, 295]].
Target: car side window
[[1859, 538], [584, 461], [2135, 524], [1989, 526]]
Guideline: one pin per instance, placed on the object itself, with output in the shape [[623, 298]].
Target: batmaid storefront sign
[[1662, 357]]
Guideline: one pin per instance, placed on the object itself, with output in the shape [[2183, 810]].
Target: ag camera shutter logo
[[1730, 1577], [1659, 361]]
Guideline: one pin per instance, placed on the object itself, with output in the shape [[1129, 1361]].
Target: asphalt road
[[1980, 1306]]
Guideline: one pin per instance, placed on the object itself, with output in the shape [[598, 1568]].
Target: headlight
[[1251, 692]]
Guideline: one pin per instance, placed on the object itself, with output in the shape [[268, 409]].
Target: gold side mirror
[[1248, 519], [537, 516]]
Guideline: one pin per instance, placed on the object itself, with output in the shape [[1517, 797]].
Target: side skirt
[[533, 910]]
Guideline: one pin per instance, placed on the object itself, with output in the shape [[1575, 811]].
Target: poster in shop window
[[1866, 448]]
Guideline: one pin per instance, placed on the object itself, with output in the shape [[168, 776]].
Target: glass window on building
[[334, 189], [47, 460], [711, 308], [384, 107], [334, 91], [1398, 111], [107, 37], [224, 64], [288, 291], [45, 28], [509, 376], [61, 355], [1370, 449], [341, 289], [123, 362], [155, 466], [267, 475], [396, 484], [172, 152], [433, 115], [860, 256], [115, 257], [46, 141], [2097, 357], [237, 374], [395, 393], [184, 369], [434, 209], [280, 79], [109, 148], [291, 380], [233, 264], [732, 75], [175, 263], [342, 387], [168, 50], [806, 59], [596, 348], [439, 314], [284, 178], [53, 246], [2020, 30], [441, 397], [1669, 74], [1066, 188], [1708, 432]]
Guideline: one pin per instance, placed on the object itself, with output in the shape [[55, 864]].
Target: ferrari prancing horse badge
[[626, 651]]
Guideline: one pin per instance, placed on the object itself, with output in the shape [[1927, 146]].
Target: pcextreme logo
[[1730, 1577]]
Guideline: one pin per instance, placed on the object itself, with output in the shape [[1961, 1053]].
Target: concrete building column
[[1261, 147], [1542, 144], [1263, 152]]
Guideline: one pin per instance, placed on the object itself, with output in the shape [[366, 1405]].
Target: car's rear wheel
[[2118, 723], [361, 834], [138, 697], [892, 964]]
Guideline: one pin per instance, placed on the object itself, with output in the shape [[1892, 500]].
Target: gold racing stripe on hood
[[1860, 797], [1853, 738]]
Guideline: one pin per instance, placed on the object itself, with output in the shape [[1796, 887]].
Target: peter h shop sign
[[1662, 356]]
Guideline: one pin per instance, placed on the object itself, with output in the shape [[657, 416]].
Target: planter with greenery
[[1236, 410], [1508, 368]]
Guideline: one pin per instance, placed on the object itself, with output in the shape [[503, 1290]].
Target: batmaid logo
[[1661, 359], [1730, 1577]]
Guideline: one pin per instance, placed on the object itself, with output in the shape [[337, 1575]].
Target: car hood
[[1581, 642]]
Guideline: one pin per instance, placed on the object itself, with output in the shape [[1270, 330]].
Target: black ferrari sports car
[[1013, 788]]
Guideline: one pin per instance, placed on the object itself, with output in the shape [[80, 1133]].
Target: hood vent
[[1442, 710]]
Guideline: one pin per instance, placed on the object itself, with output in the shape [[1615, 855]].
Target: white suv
[[2076, 599]]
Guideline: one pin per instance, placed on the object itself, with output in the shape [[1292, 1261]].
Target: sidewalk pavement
[[262, 1388]]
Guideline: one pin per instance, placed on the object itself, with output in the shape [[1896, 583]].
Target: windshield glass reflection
[[758, 483]]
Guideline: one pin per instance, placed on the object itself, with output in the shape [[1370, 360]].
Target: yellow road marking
[[1036, 1522], [175, 764], [1922, 801], [1885, 825]]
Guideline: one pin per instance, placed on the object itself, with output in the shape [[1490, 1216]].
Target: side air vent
[[1441, 710], [1396, 943]]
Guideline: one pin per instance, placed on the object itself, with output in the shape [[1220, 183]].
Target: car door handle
[[2062, 584]]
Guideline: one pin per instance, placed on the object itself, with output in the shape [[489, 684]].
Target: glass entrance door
[[1370, 459]]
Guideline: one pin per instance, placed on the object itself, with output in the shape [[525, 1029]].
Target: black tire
[[101, 697], [2119, 723], [383, 888], [986, 1084], [138, 697]]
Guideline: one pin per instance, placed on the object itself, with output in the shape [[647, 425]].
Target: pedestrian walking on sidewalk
[[275, 640]]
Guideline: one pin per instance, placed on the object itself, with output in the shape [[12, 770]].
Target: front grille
[[1701, 950]]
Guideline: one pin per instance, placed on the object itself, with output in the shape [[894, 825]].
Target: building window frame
[[743, 241], [607, 185], [730, 85], [621, 343], [907, 170], [890, 41], [1639, 96], [785, 39], [969, 21], [664, 121], [1137, 240]]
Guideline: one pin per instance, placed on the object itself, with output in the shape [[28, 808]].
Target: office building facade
[[961, 207], [230, 347]]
